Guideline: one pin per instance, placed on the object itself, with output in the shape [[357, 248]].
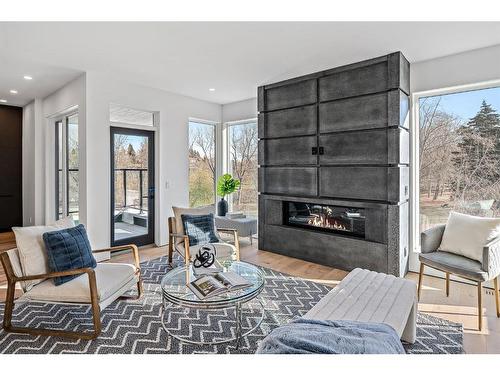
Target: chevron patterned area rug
[[134, 326]]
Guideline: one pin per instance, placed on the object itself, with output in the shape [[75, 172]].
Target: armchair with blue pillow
[[55, 264], [192, 228]]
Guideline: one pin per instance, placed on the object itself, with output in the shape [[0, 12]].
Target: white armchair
[[97, 287]]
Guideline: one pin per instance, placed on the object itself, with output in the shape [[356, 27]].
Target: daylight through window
[[459, 155]]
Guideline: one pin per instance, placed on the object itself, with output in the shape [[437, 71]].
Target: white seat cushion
[[31, 248], [224, 250], [110, 278], [466, 235]]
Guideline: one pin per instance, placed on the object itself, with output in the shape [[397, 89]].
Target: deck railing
[[143, 196]]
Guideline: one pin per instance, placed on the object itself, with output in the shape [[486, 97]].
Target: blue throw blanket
[[305, 336]]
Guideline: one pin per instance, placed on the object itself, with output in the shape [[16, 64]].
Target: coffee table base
[[239, 333]]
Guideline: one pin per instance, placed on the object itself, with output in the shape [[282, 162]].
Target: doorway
[[132, 186]]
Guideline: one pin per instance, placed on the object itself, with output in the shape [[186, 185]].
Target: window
[[202, 167], [67, 167], [458, 155], [242, 164]]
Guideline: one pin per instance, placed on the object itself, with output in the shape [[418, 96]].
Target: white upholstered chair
[[97, 287], [179, 241]]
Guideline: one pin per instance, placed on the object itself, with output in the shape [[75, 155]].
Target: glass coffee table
[[175, 294]]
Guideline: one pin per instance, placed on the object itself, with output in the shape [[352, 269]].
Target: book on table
[[211, 285]]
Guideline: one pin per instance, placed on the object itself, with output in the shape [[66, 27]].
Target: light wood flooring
[[459, 307]]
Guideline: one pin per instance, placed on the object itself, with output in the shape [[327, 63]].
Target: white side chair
[[97, 287]]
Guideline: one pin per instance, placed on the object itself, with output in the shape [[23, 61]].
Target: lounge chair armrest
[[135, 252], [52, 275], [179, 235], [227, 230], [431, 239], [491, 258]]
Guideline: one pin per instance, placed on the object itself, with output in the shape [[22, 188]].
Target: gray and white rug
[[134, 326]]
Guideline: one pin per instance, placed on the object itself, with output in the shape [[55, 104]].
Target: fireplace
[[336, 219]]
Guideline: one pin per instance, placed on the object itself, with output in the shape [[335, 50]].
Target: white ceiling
[[234, 58]]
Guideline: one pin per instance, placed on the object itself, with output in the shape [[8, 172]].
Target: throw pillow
[[32, 253], [179, 211], [200, 229], [68, 249], [466, 235]]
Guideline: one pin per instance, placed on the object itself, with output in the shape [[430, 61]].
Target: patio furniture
[[179, 241], [368, 296], [98, 287], [246, 226], [176, 294], [459, 265]]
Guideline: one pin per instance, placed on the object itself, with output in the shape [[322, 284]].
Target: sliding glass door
[[132, 186]]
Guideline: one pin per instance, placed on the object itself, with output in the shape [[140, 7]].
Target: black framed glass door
[[132, 186]]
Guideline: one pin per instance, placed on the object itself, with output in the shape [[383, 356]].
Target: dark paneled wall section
[[338, 137], [11, 124]]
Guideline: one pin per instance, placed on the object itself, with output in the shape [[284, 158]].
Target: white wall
[[476, 66], [243, 110], [28, 164], [68, 97], [171, 146]]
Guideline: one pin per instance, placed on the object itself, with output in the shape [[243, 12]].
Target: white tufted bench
[[368, 296]]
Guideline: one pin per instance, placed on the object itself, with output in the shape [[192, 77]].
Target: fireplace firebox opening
[[347, 221]]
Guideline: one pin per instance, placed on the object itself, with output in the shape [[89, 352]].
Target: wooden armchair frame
[[172, 236], [12, 279]]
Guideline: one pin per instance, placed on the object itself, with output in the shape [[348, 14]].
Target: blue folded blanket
[[305, 336]]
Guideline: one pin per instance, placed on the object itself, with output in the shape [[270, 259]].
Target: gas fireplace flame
[[326, 222]]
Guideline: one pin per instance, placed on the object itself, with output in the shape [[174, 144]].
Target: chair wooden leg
[[420, 276], [8, 327], [9, 306], [480, 305], [170, 249], [497, 301], [447, 284]]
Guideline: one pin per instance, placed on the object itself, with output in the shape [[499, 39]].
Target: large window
[[67, 167], [458, 155], [242, 164], [202, 164]]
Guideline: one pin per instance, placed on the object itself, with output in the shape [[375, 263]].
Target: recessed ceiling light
[[211, 89], [29, 78], [3, 101], [13, 91]]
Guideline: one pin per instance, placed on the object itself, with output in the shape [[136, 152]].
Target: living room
[[188, 187]]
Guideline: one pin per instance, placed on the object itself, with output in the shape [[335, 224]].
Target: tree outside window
[[202, 165], [243, 164], [459, 153]]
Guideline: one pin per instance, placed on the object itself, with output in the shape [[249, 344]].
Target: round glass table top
[[175, 290]]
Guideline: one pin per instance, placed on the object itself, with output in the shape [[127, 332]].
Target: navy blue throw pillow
[[68, 249], [199, 228]]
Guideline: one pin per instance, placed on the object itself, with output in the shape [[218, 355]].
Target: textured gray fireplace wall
[[356, 119]]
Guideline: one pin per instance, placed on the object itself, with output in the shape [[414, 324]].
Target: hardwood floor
[[460, 306]]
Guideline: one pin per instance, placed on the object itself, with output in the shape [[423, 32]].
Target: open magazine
[[211, 285]]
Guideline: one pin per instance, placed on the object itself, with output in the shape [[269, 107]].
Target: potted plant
[[225, 186]]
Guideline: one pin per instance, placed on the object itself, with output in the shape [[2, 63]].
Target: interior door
[[10, 167], [132, 186]]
